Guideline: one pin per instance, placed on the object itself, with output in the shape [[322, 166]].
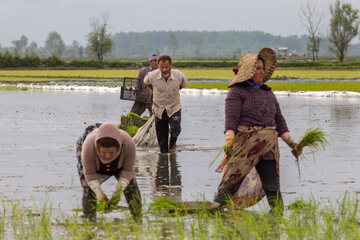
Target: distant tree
[[344, 26], [157, 51], [144, 49], [54, 45], [75, 44], [20, 45], [311, 18], [214, 44], [81, 51], [17, 47], [72, 51], [32, 49], [99, 41], [236, 53], [174, 43], [198, 41], [24, 41]]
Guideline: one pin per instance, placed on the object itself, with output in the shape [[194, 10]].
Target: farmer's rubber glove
[[286, 137], [96, 188], [229, 141], [120, 186]]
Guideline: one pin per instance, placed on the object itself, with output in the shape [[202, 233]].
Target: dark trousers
[[168, 178], [269, 180], [131, 193], [162, 130]]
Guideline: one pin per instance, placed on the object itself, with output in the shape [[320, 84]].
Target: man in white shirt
[[166, 84]]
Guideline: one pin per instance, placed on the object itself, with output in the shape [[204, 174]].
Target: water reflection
[[168, 177], [52, 128], [343, 115]]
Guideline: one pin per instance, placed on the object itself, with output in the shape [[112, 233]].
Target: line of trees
[[344, 27]]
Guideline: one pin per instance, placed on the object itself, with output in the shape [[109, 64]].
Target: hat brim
[[247, 65]]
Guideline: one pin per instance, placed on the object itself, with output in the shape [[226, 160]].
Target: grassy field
[[303, 219], [43, 76], [111, 75], [289, 86]]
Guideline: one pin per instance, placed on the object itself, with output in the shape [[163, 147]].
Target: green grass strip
[[352, 86], [210, 73]]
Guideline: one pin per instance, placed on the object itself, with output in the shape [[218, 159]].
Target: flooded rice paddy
[[39, 130]]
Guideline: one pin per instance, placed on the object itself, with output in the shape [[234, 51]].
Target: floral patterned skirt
[[250, 144]]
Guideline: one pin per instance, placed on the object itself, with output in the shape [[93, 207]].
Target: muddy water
[[39, 130]]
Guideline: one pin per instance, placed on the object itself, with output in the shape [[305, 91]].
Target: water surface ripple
[[40, 128]]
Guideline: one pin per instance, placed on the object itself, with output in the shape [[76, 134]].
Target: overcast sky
[[70, 18]]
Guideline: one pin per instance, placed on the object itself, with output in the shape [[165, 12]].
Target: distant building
[[281, 52]]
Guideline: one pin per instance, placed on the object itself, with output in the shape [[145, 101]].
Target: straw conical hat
[[247, 65]]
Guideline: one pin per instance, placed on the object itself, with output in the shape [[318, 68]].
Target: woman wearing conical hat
[[253, 123]]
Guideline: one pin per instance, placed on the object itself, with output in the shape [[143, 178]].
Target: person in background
[[144, 94], [104, 151], [166, 84], [253, 123]]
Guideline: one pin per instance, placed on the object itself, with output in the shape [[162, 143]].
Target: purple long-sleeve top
[[249, 106]]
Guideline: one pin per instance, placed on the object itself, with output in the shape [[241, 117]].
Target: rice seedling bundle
[[315, 139]]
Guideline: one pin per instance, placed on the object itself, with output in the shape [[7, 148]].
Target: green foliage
[[131, 123], [11, 87], [53, 61], [8, 60], [99, 41], [225, 149], [311, 19], [132, 130], [344, 26], [202, 44], [160, 204], [315, 139], [54, 45], [19, 45], [303, 219]]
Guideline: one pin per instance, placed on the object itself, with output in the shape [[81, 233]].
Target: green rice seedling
[[222, 150], [16, 219], [315, 139], [302, 219], [45, 221], [2, 220], [105, 207], [132, 130], [164, 205]]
